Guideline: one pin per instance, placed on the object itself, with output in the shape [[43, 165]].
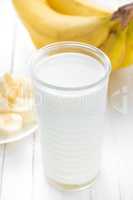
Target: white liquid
[[71, 70], [71, 125]]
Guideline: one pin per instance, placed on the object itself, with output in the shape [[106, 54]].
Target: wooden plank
[[107, 186], [6, 36], [2, 164], [121, 123], [17, 178], [17, 168], [39, 186], [123, 138]]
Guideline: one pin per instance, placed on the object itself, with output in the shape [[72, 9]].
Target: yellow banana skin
[[115, 47], [46, 25], [38, 39], [76, 20], [128, 60], [95, 38], [77, 7]]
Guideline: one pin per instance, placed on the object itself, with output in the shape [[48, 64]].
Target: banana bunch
[[77, 20]]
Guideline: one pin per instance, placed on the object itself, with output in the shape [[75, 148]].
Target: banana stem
[[124, 14]]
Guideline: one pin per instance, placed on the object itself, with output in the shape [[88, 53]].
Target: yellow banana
[[38, 39], [95, 37], [115, 47], [128, 60], [77, 20], [77, 7], [45, 25]]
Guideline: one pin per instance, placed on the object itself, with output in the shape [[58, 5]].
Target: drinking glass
[[71, 120]]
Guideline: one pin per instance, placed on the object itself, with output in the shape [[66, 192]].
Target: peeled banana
[[16, 104], [77, 20]]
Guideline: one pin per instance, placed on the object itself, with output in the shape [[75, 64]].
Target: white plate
[[24, 132]]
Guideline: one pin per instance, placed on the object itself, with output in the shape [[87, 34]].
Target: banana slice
[[23, 105], [16, 103], [10, 123]]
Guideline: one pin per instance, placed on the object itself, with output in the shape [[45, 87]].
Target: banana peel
[[128, 60], [115, 48], [74, 20], [77, 7]]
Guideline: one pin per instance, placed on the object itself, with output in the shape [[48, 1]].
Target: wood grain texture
[[17, 178], [16, 158], [6, 35]]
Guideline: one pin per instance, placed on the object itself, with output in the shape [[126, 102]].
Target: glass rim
[[96, 51]]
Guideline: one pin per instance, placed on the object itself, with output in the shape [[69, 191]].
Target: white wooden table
[[21, 176]]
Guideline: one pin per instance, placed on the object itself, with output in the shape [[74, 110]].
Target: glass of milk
[[71, 81]]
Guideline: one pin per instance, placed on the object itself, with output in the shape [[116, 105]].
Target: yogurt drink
[[71, 90]]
